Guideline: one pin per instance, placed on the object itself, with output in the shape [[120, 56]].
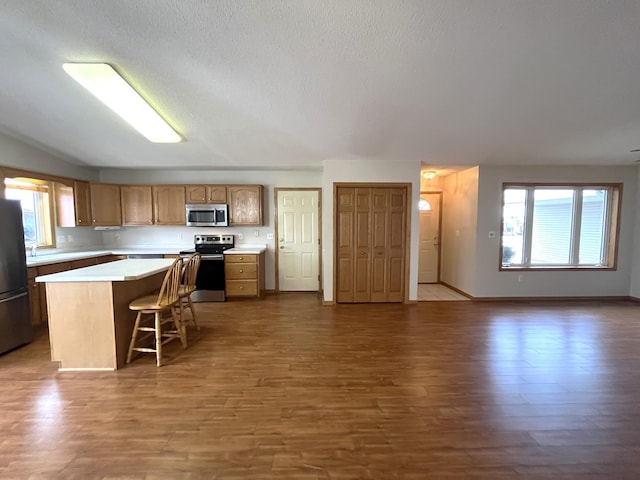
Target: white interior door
[[429, 252], [298, 240]]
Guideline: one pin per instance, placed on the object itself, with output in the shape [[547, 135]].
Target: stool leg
[[193, 312], [134, 336], [158, 328], [180, 326]]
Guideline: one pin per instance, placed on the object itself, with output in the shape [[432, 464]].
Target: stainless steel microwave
[[204, 215]]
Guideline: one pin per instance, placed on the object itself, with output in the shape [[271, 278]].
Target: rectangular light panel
[[112, 90]]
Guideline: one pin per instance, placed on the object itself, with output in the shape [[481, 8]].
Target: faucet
[[34, 248]]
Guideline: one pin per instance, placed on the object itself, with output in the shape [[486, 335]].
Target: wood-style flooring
[[286, 388]]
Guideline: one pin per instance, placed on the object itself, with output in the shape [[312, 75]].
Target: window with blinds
[[559, 226]]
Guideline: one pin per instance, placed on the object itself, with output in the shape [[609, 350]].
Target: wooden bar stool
[[188, 286], [166, 301]]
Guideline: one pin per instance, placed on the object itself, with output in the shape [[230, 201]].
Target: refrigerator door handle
[[13, 298]]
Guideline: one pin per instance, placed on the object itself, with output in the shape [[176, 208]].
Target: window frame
[[611, 227], [45, 213]]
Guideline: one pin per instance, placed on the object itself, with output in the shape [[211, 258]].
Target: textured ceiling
[[277, 84]]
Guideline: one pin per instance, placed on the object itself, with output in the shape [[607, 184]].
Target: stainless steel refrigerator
[[15, 317]]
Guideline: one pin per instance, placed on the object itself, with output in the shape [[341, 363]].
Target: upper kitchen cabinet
[[137, 204], [168, 204], [65, 210], [206, 193], [82, 203], [73, 204], [105, 204], [245, 204]]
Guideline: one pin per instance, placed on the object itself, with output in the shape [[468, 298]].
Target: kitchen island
[[90, 323]]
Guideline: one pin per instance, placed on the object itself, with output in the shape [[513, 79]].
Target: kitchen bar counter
[[118, 271], [90, 323]]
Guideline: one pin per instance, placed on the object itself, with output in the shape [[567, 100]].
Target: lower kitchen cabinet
[[244, 275], [34, 296]]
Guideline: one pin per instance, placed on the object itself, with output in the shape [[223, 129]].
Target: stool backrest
[[190, 270], [171, 284]]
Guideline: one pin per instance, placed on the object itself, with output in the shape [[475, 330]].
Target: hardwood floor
[[286, 388]]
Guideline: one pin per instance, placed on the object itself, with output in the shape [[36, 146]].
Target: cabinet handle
[[241, 258], [241, 270]]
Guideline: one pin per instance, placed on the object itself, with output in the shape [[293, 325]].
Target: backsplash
[[181, 236], [76, 238]]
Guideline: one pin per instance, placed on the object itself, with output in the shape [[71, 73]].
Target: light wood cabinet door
[[168, 204], [206, 193], [105, 204], [196, 193], [216, 193], [245, 204], [82, 203], [137, 204], [72, 204], [371, 244]]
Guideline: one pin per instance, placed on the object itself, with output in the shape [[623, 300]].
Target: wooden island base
[[90, 323]]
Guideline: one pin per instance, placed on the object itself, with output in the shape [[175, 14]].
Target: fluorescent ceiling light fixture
[[112, 90]]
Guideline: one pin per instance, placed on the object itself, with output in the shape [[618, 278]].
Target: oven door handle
[[212, 257]]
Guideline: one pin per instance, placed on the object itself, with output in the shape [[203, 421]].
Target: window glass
[[34, 197], [552, 227], [514, 211], [593, 226]]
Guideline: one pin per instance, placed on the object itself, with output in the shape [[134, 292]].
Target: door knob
[[281, 247]]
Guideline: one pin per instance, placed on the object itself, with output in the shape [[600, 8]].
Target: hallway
[[436, 292]]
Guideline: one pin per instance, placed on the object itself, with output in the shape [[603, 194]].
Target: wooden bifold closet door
[[371, 242]]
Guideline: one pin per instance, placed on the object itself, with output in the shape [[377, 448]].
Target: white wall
[[182, 237], [369, 171], [17, 154], [492, 283], [459, 230], [634, 289]]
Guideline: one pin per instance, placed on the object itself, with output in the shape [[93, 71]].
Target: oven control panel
[[213, 239]]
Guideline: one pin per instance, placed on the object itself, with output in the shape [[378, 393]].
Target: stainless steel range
[[210, 279]]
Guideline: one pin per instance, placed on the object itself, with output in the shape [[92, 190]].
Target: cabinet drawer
[[241, 271], [240, 258], [238, 288]]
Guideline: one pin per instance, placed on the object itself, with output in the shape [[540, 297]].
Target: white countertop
[[246, 250], [118, 271], [45, 259]]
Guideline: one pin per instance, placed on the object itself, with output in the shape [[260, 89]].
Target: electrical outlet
[[70, 238], [179, 236], [256, 233], [239, 235], [269, 236]]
